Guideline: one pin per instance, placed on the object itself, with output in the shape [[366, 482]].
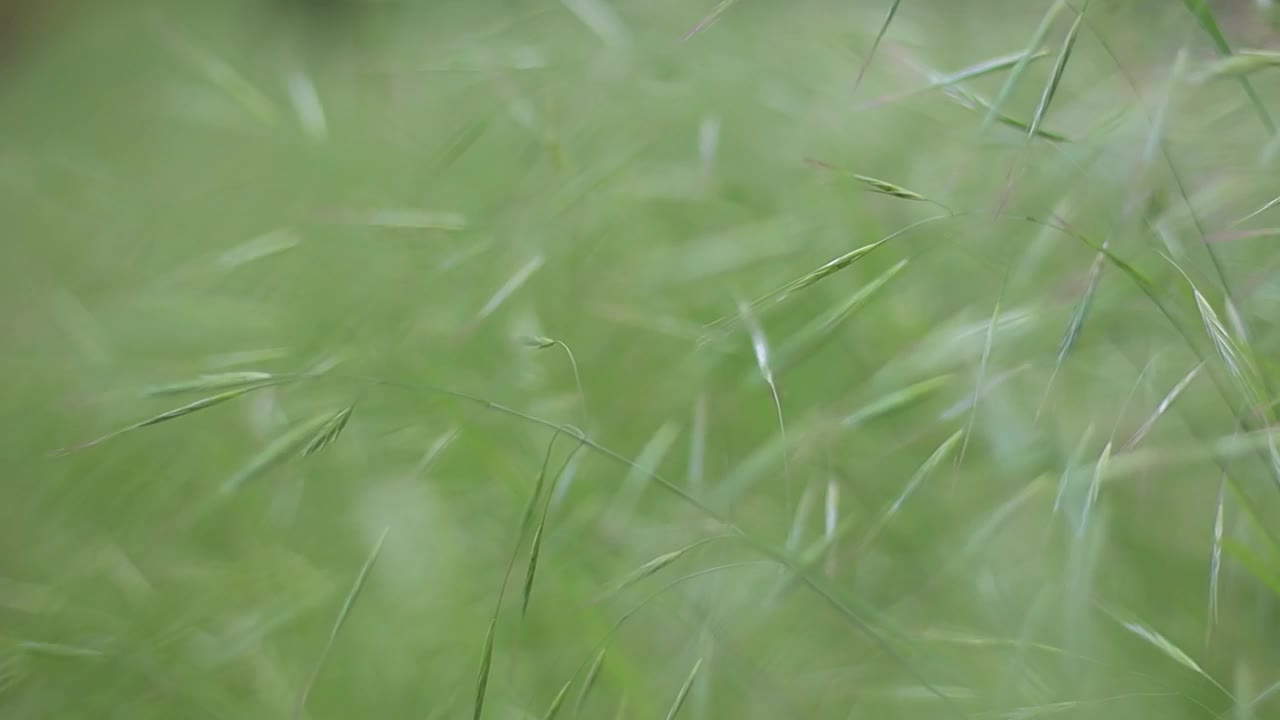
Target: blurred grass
[[404, 192]]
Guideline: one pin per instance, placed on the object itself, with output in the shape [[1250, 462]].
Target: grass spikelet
[[589, 682], [875, 44], [343, 613], [1267, 206], [824, 271], [1059, 68], [213, 382], [276, 452], [195, 406], [542, 342], [654, 565], [1204, 16], [1037, 40], [683, 694], [876, 185], [557, 702], [329, 432]]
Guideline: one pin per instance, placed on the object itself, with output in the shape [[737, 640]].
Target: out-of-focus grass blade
[[191, 407], [939, 80], [1244, 62], [486, 662], [895, 400], [1037, 40], [556, 703], [821, 273], [1165, 646], [1059, 68], [343, 613], [1164, 405], [213, 382], [1204, 16], [276, 452], [683, 694], [593, 673], [721, 8], [875, 44], [973, 101], [1267, 574]]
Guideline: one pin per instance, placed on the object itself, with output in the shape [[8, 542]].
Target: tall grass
[[278, 282]]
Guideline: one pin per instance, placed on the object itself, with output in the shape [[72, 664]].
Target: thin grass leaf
[[799, 519], [556, 703], [814, 553], [1164, 405], [821, 273], [461, 142], [276, 452], [1166, 647], [973, 101], [822, 328], [1260, 530], [1252, 563], [593, 674], [983, 363], [653, 566], [684, 691], [938, 81], [721, 8], [1244, 62], [875, 44], [1075, 325], [343, 613], [1204, 16], [1257, 212], [178, 412], [896, 400], [486, 662], [535, 549], [263, 246], [1091, 499], [1059, 68], [329, 432], [1037, 40]]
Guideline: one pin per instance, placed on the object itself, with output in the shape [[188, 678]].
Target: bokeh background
[[1014, 462]]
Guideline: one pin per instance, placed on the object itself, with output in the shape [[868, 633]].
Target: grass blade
[[1204, 16], [884, 27], [1037, 40], [486, 662], [721, 8], [1164, 405], [1244, 62], [593, 673], [940, 81], [1215, 560], [178, 412], [1166, 648], [556, 703], [536, 547], [684, 691], [876, 185], [329, 432], [1059, 68], [821, 273], [343, 614]]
